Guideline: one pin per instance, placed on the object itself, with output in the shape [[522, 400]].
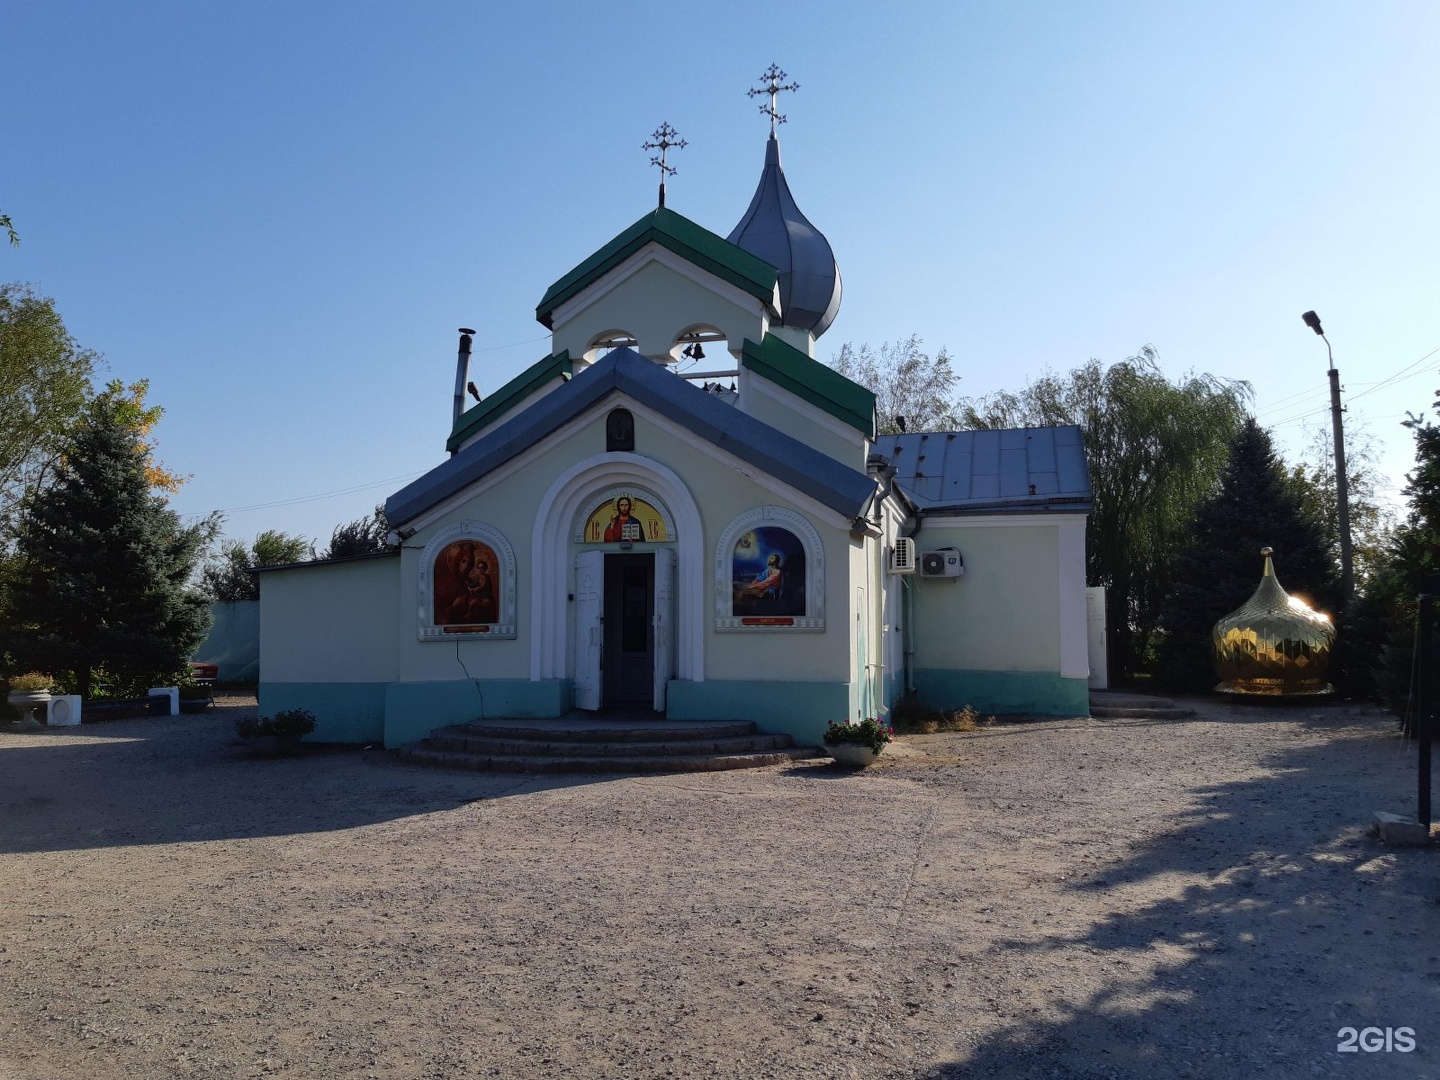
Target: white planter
[[27, 701], [851, 754]]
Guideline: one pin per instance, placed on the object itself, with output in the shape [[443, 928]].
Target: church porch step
[[615, 744], [1122, 706], [472, 741], [587, 730], [425, 755]]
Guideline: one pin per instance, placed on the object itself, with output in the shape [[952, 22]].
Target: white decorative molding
[[552, 559], [504, 626], [813, 617]]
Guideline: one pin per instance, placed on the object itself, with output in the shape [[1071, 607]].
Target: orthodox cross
[[663, 140], [774, 80]]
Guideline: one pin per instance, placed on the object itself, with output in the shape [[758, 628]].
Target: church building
[[679, 510]]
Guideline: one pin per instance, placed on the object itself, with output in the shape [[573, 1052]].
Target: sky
[[279, 212]]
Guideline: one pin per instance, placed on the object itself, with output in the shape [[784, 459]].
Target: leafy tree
[[9, 227], [229, 577], [1384, 624], [44, 387], [1219, 565], [363, 536], [1155, 449], [911, 387], [102, 562]]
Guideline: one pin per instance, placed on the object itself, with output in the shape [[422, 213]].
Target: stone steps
[[1137, 707], [591, 745]]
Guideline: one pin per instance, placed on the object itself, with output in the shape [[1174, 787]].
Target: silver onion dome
[[775, 230]]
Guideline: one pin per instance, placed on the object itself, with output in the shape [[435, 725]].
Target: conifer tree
[[103, 563], [1219, 565]]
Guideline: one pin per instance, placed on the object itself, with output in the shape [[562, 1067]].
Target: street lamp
[[1342, 483]]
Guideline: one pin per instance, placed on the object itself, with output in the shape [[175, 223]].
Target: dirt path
[[1075, 899]]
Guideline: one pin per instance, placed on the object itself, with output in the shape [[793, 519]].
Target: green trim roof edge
[[694, 243], [808, 378], [509, 395]]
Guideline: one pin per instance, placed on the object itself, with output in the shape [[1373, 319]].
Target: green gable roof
[[822, 386], [713, 254], [557, 366]]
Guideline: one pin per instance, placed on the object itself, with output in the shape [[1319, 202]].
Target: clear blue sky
[[279, 212]]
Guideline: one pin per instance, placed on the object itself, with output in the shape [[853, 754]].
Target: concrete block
[[1394, 829], [172, 702]]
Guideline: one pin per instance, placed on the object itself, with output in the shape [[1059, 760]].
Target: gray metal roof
[[625, 371], [775, 230], [994, 471]]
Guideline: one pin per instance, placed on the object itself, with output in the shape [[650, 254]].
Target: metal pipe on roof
[[462, 375]]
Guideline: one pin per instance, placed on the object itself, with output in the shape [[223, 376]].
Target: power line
[[322, 495]]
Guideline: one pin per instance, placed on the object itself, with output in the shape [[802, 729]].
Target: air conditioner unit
[[63, 710], [942, 563], [902, 559]]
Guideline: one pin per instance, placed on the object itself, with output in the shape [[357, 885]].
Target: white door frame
[[664, 621], [589, 628]]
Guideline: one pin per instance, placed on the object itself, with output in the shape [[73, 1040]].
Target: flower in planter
[[32, 682], [291, 723], [869, 732]]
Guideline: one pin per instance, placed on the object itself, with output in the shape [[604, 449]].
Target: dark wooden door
[[629, 650]]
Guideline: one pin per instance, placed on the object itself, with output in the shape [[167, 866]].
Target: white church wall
[[999, 637], [654, 296], [738, 670], [799, 419], [519, 407], [506, 501], [328, 644]]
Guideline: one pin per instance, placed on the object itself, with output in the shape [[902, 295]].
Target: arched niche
[[770, 573], [605, 341], [467, 584]]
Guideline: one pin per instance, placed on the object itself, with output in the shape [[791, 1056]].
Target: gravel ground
[[1066, 898]]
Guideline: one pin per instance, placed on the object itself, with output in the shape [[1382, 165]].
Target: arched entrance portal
[[618, 582]]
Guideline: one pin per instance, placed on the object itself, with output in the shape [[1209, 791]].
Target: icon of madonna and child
[[466, 590], [768, 573]]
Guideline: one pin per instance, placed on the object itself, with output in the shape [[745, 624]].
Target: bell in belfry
[[1274, 644]]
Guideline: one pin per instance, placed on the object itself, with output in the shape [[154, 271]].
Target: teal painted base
[[399, 713], [1034, 692], [414, 709], [344, 712], [800, 710]]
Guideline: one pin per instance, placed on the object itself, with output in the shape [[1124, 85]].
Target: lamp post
[[1342, 482]]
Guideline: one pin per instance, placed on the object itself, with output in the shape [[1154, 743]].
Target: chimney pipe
[[462, 372]]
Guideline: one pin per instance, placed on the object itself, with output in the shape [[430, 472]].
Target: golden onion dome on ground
[[1273, 644]]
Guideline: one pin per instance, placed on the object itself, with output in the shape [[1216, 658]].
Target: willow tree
[[1156, 448], [914, 391]]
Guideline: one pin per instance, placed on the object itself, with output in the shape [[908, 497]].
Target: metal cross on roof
[[774, 80], [663, 140]]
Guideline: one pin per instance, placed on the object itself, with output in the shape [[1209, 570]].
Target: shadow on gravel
[[1304, 925], [162, 780]]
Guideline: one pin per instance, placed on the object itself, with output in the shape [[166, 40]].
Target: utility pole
[[1342, 482]]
